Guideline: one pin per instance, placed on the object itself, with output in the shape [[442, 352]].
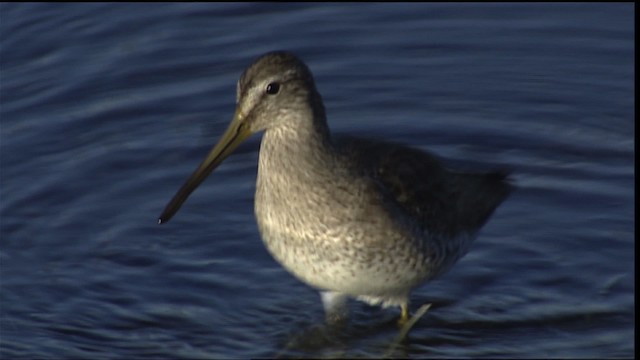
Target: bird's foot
[[404, 315], [405, 323]]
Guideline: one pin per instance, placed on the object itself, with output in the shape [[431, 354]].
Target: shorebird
[[351, 217]]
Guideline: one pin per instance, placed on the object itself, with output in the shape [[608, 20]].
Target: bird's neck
[[295, 164], [293, 157], [297, 143]]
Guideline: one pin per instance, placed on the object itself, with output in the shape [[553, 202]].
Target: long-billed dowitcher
[[351, 217]]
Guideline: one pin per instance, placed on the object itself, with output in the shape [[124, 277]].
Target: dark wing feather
[[442, 201]]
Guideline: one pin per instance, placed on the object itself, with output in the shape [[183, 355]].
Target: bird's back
[[443, 202]]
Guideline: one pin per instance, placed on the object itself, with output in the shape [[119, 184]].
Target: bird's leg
[[404, 314], [335, 306], [406, 325]]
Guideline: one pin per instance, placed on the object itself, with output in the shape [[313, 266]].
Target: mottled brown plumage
[[351, 217]]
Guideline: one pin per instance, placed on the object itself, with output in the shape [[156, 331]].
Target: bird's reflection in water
[[333, 339]]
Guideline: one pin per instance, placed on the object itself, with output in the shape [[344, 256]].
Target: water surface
[[107, 108]]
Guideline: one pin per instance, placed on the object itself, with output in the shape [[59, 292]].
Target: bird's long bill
[[235, 134]]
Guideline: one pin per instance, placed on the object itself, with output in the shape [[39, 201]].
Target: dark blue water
[[107, 108]]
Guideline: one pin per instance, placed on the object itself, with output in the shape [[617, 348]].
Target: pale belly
[[343, 238], [348, 265]]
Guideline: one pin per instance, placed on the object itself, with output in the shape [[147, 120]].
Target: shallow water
[[107, 108]]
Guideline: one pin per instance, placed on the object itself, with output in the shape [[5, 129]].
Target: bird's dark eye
[[273, 88]]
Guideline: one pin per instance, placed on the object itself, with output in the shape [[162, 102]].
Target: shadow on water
[[374, 332], [333, 340], [336, 339]]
